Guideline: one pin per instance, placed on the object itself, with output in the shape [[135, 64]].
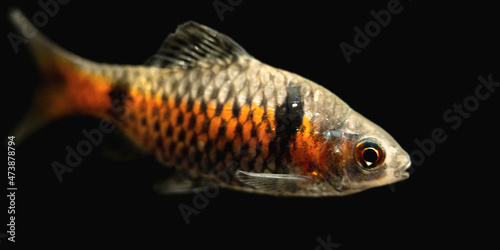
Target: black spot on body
[[156, 126], [219, 156], [170, 131], [218, 109], [159, 143], [189, 104], [222, 130], [118, 95], [236, 110], [203, 107], [294, 109], [177, 100], [184, 151], [180, 118], [171, 149], [288, 120], [253, 132], [181, 136], [208, 146], [192, 121], [244, 148], [197, 156], [205, 125], [193, 141], [273, 147], [239, 128], [228, 147]]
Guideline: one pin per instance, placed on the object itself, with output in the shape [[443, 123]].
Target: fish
[[205, 107]]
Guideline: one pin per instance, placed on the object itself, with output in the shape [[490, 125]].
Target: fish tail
[[66, 86]]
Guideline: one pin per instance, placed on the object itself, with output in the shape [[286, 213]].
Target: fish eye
[[369, 154]]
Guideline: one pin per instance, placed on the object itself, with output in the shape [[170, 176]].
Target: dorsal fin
[[195, 44]]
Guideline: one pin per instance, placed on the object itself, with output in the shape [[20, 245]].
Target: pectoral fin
[[273, 183]]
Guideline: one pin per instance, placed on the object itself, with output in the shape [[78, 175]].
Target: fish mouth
[[403, 171]]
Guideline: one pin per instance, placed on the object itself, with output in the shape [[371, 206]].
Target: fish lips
[[403, 173]]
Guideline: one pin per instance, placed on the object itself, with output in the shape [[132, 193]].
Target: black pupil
[[370, 155]]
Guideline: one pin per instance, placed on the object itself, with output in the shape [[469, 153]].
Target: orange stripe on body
[[177, 132], [244, 114], [83, 92], [271, 118], [306, 149], [187, 120], [227, 111], [263, 124], [264, 138], [211, 107], [257, 114], [231, 128], [198, 127], [247, 131], [213, 129], [171, 101], [189, 136], [197, 106], [174, 116], [183, 105]]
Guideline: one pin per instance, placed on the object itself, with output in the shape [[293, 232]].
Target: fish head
[[363, 156]]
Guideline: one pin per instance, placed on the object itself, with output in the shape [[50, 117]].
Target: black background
[[424, 61]]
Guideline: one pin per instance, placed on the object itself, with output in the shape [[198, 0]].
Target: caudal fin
[[61, 78]]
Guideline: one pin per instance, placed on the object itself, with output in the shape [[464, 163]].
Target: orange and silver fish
[[203, 105]]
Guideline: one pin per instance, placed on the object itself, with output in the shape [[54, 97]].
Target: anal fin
[[179, 183]]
